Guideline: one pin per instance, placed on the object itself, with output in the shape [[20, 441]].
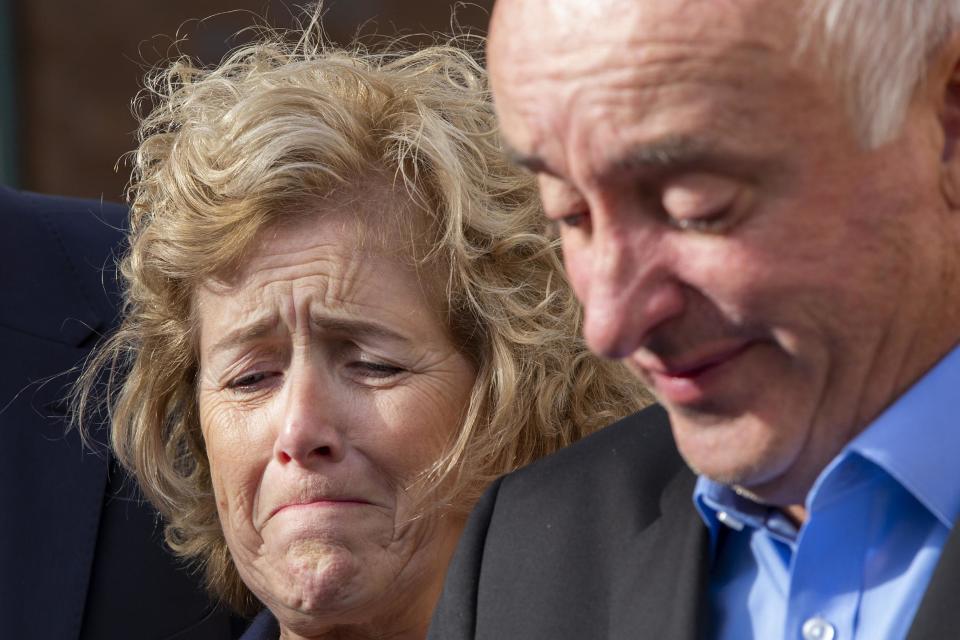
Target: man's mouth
[[689, 379]]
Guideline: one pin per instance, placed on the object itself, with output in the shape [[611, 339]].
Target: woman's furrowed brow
[[244, 334], [263, 327], [356, 327]]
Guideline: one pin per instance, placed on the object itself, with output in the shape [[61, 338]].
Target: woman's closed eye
[[249, 382], [374, 370]]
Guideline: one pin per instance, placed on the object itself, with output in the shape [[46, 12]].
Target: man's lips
[[689, 380], [698, 364]]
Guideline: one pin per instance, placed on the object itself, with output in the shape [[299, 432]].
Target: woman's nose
[[310, 432]]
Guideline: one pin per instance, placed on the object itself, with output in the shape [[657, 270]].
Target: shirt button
[[817, 628], [730, 521]]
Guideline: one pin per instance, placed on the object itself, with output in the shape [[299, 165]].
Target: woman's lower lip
[[322, 504]]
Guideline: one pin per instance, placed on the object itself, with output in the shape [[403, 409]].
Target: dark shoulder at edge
[[640, 445]]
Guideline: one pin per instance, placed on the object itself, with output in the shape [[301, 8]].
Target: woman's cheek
[[410, 434], [237, 451]]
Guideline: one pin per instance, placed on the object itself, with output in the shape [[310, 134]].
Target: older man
[[759, 203]]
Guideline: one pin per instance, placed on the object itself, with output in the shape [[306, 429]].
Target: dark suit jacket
[[80, 555], [263, 627], [601, 540]]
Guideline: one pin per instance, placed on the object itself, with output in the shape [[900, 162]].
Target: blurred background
[[69, 70]]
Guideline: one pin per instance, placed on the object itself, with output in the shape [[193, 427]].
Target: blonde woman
[[342, 322]]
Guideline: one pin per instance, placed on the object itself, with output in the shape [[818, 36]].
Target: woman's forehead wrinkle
[[348, 280], [327, 274], [286, 282], [250, 330]]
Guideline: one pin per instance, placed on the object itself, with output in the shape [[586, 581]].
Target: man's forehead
[[546, 57], [538, 72], [533, 20]]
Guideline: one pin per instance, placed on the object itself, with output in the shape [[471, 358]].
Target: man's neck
[[797, 514]]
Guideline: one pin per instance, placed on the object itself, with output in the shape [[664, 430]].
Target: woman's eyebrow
[[245, 334], [356, 327], [262, 327]]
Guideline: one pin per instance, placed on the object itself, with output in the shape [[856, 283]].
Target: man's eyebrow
[[531, 163], [666, 155], [682, 153]]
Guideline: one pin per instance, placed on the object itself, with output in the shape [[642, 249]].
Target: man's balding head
[[776, 280]]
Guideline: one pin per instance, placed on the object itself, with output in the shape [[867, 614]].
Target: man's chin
[[731, 451]]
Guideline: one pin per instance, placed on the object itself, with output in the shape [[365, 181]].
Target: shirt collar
[[916, 441], [720, 504]]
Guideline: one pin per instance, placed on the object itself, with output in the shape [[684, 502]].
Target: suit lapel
[[51, 490], [666, 598], [939, 613]]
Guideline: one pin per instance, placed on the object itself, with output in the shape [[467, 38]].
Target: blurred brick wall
[[79, 64]]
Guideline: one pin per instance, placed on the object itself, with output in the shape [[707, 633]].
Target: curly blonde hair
[[227, 152]]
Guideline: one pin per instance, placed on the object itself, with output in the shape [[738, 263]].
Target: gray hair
[[878, 51]]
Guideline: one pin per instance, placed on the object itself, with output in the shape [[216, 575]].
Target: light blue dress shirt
[[878, 517]]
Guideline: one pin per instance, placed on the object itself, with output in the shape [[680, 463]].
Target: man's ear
[[949, 84]]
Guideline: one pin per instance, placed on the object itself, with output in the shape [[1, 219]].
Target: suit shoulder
[[638, 449], [577, 534], [60, 255], [620, 473], [94, 225], [14, 205]]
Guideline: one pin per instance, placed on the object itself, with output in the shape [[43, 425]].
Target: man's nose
[[311, 429], [628, 288]]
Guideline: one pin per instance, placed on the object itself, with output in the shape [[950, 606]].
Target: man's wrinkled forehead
[[531, 26], [562, 71]]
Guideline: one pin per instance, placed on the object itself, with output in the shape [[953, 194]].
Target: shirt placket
[[826, 575]]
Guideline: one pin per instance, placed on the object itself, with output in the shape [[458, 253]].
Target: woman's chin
[[319, 579], [312, 585]]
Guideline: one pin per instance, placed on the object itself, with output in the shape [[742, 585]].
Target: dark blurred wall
[[9, 163], [79, 64]]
